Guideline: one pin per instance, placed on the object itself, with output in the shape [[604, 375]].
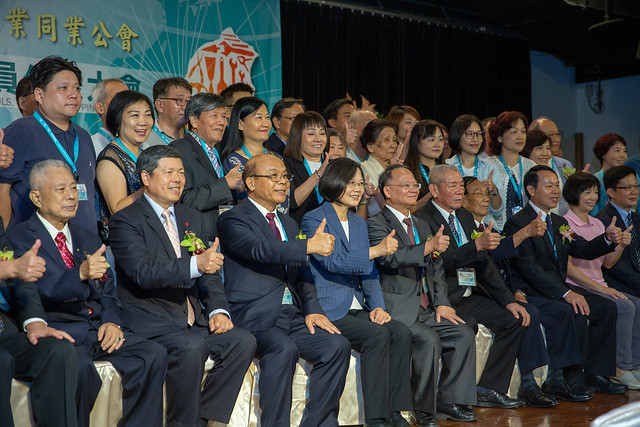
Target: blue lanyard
[[516, 187], [106, 134], [415, 232], [205, 147], [282, 226], [76, 144], [458, 232], [475, 168], [424, 173], [249, 154], [126, 150], [159, 133], [306, 166], [553, 244]]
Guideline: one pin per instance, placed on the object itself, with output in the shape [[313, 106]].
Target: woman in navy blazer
[[348, 288]]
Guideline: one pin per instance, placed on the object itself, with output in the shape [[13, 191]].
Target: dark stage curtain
[[441, 71]]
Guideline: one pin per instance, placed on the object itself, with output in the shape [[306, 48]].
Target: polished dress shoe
[[397, 420], [467, 408], [560, 390], [495, 399], [451, 411], [604, 384], [535, 397], [424, 419]]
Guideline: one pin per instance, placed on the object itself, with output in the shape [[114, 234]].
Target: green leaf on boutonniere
[[301, 236]]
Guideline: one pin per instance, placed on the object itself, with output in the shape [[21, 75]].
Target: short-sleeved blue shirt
[[32, 144]]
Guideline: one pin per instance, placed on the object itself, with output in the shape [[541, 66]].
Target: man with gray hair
[[101, 96], [358, 120], [476, 289], [207, 188], [79, 297], [549, 127]]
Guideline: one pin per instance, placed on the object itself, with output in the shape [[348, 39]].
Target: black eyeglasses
[[471, 134], [276, 177], [629, 187], [180, 101]]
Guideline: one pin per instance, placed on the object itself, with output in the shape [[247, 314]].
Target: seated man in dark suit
[[558, 347], [206, 187], [476, 289], [622, 188], [43, 356], [415, 293], [173, 295], [540, 270], [79, 297], [271, 292]]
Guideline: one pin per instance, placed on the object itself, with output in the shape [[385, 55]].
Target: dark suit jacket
[[625, 274], [153, 284], [490, 282], [22, 297], [70, 304], [300, 175], [536, 270], [401, 273], [204, 190], [275, 144], [348, 271], [257, 265]]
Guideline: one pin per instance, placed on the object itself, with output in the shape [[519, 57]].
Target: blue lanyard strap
[[206, 151], [106, 134], [475, 168], [126, 150], [306, 166], [249, 154], [553, 244], [458, 230], [516, 187], [415, 232], [424, 173], [159, 133], [76, 144], [286, 238]]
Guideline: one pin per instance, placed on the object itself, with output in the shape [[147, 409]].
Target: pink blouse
[[594, 228]]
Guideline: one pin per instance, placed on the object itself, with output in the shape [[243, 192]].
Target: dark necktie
[[424, 296], [409, 224], [454, 230], [61, 242], [635, 245], [549, 227], [272, 223], [481, 227]]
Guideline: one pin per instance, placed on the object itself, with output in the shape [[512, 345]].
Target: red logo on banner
[[221, 63]]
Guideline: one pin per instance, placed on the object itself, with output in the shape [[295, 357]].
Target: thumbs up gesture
[[29, 267], [488, 240], [439, 243], [95, 266], [6, 153], [537, 227], [210, 260], [613, 233], [321, 243], [388, 246], [626, 237]]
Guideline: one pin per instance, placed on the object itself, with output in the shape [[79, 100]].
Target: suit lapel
[[156, 224], [401, 229], [437, 216], [202, 157], [254, 214], [48, 244]]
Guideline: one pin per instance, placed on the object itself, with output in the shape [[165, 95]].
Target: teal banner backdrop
[[211, 43]]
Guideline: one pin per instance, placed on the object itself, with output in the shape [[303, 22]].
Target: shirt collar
[[571, 216], [623, 212], [53, 232], [444, 213], [264, 211], [538, 210], [157, 208], [399, 214], [55, 129]]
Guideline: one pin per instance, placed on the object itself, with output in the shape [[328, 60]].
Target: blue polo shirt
[[32, 144]]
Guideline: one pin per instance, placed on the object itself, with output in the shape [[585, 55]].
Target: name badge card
[[223, 208], [82, 191], [516, 209], [425, 288], [287, 298], [466, 277]]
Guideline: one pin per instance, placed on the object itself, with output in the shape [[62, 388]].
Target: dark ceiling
[[559, 27]]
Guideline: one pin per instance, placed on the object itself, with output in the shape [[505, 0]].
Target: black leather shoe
[[397, 420], [467, 408], [560, 390], [495, 399], [604, 384], [582, 389], [451, 411], [424, 419], [535, 397]]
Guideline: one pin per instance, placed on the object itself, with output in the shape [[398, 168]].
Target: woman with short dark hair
[[611, 150], [130, 119], [348, 288], [581, 193]]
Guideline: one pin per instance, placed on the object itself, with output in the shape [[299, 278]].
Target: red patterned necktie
[[67, 257], [272, 222], [481, 227]]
